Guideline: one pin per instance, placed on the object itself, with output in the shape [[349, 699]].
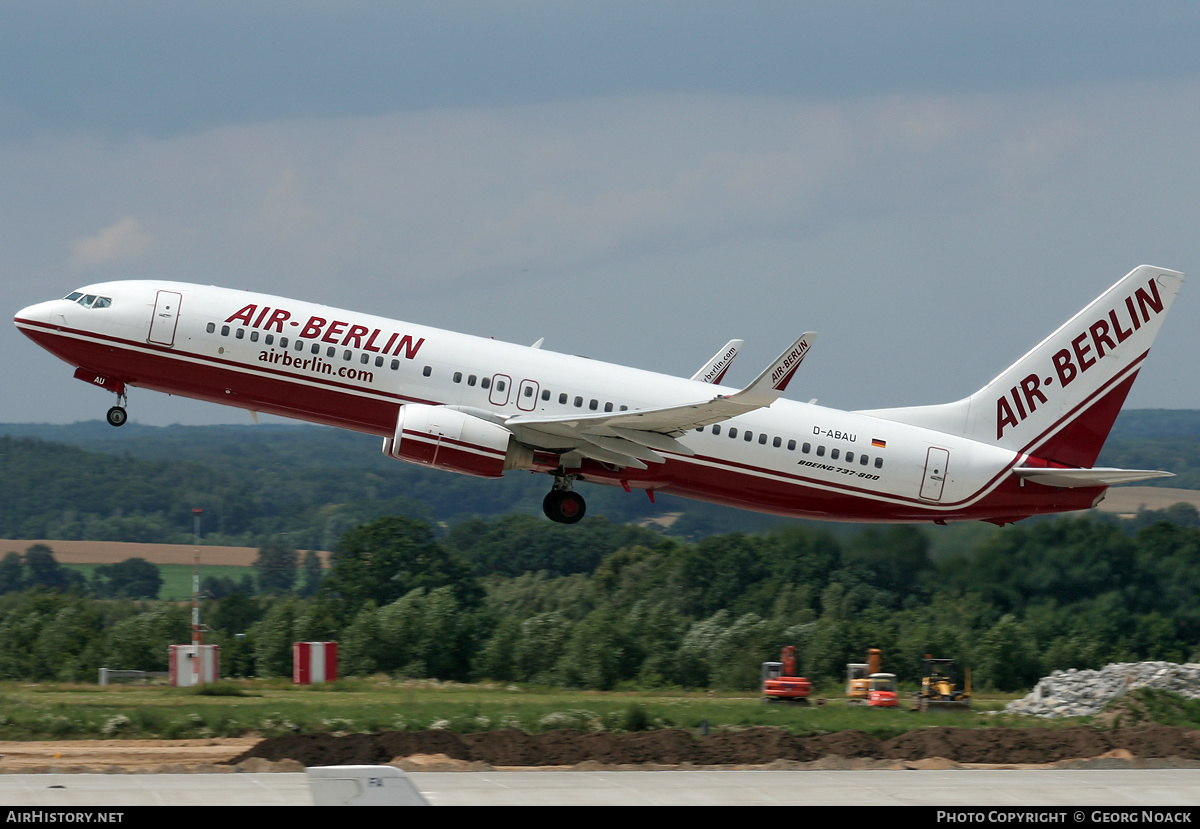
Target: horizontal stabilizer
[[1074, 478]]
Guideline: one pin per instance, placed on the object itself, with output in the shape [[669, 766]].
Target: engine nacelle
[[455, 441]]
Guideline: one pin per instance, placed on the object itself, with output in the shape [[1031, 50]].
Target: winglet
[[769, 385], [714, 370]]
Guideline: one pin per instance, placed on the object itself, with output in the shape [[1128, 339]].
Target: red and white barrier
[[186, 669], [314, 662]]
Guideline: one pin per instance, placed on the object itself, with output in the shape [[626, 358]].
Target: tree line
[[607, 605], [304, 486]]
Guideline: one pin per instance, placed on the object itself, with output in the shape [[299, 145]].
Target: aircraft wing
[[1072, 478], [631, 437]]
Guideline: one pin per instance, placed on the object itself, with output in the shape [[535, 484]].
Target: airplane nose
[[38, 312]]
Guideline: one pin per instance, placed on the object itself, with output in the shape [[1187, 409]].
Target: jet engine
[[455, 441]]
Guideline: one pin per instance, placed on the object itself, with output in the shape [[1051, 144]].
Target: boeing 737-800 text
[[1022, 445]]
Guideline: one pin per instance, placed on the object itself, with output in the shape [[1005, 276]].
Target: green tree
[[133, 578], [43, 569], [391, 557], [12, 573], [312, 572], [275, 569]]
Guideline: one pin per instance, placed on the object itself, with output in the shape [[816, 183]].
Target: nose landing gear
[[561, 504]]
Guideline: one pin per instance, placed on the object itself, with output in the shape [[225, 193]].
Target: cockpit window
[[89, 300]]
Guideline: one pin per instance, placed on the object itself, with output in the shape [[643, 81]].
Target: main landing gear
[[561, 504], [117, 415]]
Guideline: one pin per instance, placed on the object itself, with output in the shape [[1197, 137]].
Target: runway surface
[[974, 788]]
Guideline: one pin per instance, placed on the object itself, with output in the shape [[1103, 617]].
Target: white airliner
[[1022, 445]]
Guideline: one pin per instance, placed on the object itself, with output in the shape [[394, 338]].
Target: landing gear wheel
[[564, 506], [117, 416]]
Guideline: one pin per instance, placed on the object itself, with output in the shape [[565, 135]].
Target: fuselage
[[356, 371]]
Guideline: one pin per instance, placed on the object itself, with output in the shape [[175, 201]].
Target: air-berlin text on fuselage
[[1094, 343], [335, 332]]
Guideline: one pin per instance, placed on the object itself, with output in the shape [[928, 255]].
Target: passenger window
[[762, 439], [608, 407], [211, 327], [239, 334], [749, 436], [457, 377], [833, 454], [316, 348], [347, 355], [428, 370], [777, 442], [485, 382], [862, 459], [366, 358], [733, 431], [791, 446], [562, 398], [471, 380], [253, 336], [594, 404], [717, 429], [879, 463], [849, 457], [529, 391], [395, 364], [499, 385], [379, 362], [578, 402], [546, 395], [283, 341], [820, 451], [806, 448], [270, 338], [224, 330]]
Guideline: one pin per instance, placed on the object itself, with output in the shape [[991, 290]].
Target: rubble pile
[[1075, 693]]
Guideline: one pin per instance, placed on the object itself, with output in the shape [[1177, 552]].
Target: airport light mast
[[197, 635]]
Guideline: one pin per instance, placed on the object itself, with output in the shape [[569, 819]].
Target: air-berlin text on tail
[[334, 332], [1099, 340], [788, 365]]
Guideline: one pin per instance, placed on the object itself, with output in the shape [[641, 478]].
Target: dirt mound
[[752, 746]]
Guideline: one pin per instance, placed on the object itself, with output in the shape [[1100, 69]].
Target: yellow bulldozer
[[939, 687]]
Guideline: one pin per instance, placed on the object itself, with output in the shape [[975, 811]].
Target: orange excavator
[[780, 682], [866, 685]]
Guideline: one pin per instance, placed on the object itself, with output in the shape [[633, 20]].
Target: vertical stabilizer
[[1059, 401]]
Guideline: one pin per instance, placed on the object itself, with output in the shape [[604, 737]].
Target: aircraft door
[[936, 462], [498, 396], [166, 318]]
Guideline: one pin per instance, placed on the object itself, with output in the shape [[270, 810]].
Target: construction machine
[[858, 677], [780, 682], [939, 687], [882, 691], [866, 685]]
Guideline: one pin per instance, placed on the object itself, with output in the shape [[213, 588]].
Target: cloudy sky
[[932, 186]]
